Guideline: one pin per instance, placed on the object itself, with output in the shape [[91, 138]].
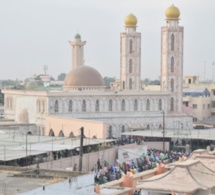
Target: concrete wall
[[68, 125], [90, 160]]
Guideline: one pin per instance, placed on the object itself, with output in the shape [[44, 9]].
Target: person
[[98, 164], [75, 167]]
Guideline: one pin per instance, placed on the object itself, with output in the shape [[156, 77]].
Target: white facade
[[77, 51], [172, 37], [130, 59], [122, 109]]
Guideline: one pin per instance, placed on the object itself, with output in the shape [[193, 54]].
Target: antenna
[[45, 67]]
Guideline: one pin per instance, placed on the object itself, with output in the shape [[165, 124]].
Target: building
[[122, 109]]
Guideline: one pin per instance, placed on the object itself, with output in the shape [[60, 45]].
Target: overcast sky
[[35, 33]]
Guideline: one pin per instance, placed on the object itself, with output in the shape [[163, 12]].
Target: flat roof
[[18, 180], [204, 134], [13, 146]]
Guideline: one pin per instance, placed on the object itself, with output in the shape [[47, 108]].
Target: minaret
[[77, 51], [172, 38], [130, 55]]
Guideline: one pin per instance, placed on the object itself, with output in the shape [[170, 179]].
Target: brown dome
[[83, 76]]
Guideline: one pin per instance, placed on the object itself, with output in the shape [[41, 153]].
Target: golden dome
[[172, 12], [83, 76], [130, 20]]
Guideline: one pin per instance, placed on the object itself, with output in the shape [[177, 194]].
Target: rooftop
[[17, 180], [192, 172]]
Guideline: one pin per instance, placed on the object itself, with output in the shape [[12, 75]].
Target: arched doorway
[[51, 132]]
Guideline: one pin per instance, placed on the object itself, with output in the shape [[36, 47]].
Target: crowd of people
[[105, 172]]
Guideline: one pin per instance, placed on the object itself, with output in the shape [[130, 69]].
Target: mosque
[[108, 112]]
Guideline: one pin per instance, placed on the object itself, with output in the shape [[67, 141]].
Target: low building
[[199, 101]]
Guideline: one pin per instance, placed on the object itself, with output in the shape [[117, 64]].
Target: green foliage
[[108, 80], [61, 77]]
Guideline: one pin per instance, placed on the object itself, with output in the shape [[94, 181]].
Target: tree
[[61, 77], [108, 80]]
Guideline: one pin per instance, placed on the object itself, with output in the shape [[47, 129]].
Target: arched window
[[51, 132], [56, 106], [71, 135], [148, 127], [110, 105], [130, 66], [39, 109], [172, 85], [172, 42], [172, 64], [123, 85], [123, 105], [135, 105], [97, 106], [84, 106], [160, 104], [61, 134], [130, 83], [43, 106], [147, 104], [110, 132], [130, 46], [70, 105], [172, 104], [123, 129], [160, 126]]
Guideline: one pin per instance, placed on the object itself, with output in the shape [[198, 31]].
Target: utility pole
[[163, 130], [81, 149]]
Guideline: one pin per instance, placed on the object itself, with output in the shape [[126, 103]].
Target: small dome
[[83, 76], [172, 12], [130, 20], [77, 36]]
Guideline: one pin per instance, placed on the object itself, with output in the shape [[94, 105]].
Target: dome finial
[[130, 20], [172, 12], [77, 36]]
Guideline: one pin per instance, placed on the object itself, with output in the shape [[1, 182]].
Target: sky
[[35, 33]]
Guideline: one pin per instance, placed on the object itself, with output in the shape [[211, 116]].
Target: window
[[39, 106], [84, 106], [110, 132], [130, 83], [148, 127], [172, 104], [194, 106], [56, 107], [43, 106], [172, 42], [123, 129], [213, 92], [130, 46], [209, 106], [189, 81], [203, 106], [135, 105], [172, 85], [97, 106], [70, 105], [186, 104], [147, 104], [110, 105], [123, 85], [213, 105], [194, 119], [172, 64], [123, 105], [160, 126], [160, 104], [130, 66]]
